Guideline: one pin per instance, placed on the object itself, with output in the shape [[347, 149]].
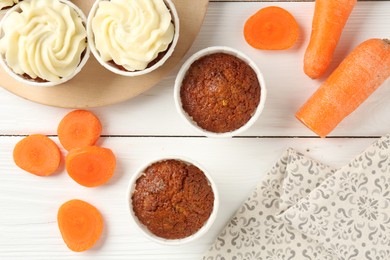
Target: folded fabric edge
[[363, 161], [288, 161]]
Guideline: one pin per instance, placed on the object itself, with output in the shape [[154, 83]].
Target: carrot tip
[[302, 120], [327, 27]]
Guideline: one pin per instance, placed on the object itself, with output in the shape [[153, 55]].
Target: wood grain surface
[[153, 113], [148, 126], [29, 204]]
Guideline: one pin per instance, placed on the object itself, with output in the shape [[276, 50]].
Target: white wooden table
[[148, 126]]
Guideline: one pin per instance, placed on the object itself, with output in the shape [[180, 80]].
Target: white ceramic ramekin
[[145, 230], [205, 52], [23, 80], [110, 67]]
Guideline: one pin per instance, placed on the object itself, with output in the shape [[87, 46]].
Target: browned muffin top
[[220, 92], [173, 199]]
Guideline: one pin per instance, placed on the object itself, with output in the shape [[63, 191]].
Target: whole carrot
[[354, 80], [329, 19]]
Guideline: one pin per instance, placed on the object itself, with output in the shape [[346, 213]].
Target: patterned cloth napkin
[[303, 209]]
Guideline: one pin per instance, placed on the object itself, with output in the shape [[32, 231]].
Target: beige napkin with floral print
[[302, 209]]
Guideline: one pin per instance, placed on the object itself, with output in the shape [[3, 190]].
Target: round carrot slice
[[91, 166], [80, 224], [79, 128], [271, 28], [37, 154]]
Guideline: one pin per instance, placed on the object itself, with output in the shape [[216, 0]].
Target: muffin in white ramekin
[[43, 42], [177, 192], [133, 37], [220, 92]]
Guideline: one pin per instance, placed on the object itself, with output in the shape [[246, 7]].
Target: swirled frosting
[[132, 32], [44, 40], [7, 3]]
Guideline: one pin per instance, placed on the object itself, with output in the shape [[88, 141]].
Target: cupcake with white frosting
[[5, 4], [43, 42], [132, 37]]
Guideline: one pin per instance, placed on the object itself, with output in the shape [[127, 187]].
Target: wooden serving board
[[96, 86]]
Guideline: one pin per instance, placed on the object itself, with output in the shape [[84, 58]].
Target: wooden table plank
[[153, 113], [28, 228]]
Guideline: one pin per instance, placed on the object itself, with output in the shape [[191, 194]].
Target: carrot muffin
[[173, 199], [132, 35], [44, 41], [220, 92], [4, 4]]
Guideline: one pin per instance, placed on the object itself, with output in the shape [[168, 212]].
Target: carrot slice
[[79, 128], [80, 224], [355, 79], [37, 154], [271, 28], [91, 166], [329, 19]]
